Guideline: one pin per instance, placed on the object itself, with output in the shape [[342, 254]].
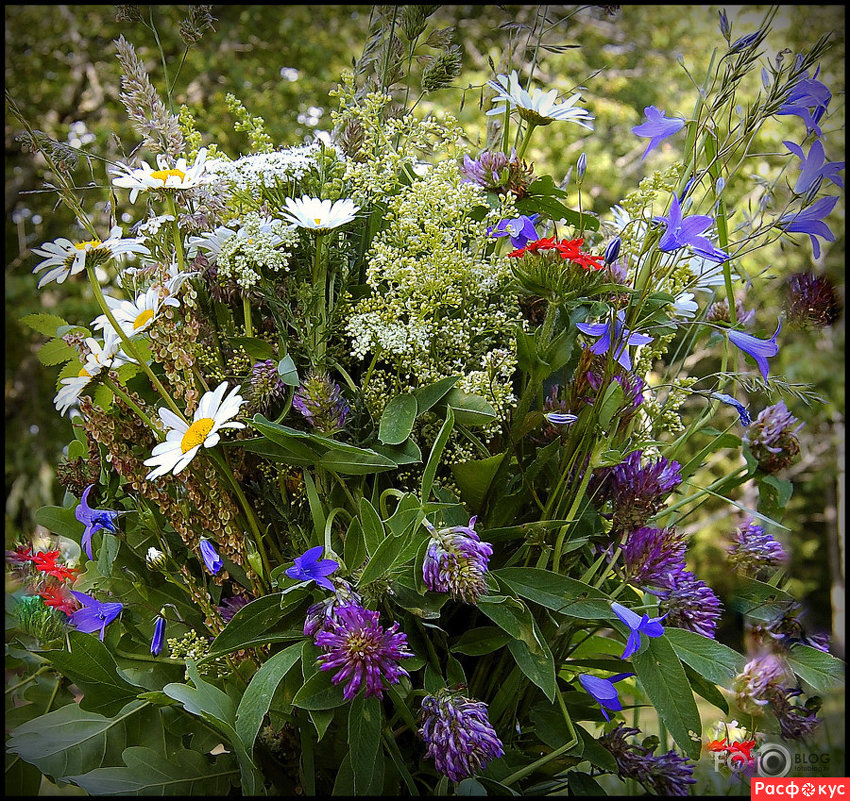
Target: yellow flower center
[[317, 220], [164, 175], [197, 433], [82, 245], [83, 372], [143, 319]]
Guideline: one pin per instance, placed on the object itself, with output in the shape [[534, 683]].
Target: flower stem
[[525, 140], [133, 405], [246, 309]]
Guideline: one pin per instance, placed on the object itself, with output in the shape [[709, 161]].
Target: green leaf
[[546, 204], [595, 753], [667, 687], [148, 773], [721, 440], [761, 601], [427, 396], [22, 779], [706, 689], [392, 552], [557, 592], [364, 744], [108, 552], [480, 641], [60, 521], [257, 697], [360, 463], [56, 351], [373, 527], [259, 623], [714, 661], [822, 671], [397, 420], [469, 410], [44, 323], [583, 784], [319, 693], [255, 348], [287, 371], [92, 668], [406, 453], [474, 478], [611, 401], [436, 452]]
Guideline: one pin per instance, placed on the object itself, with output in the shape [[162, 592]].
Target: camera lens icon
[[774, 761]]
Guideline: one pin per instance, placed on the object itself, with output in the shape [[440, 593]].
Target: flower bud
[[612, 251], [581, 168], [154, 558]]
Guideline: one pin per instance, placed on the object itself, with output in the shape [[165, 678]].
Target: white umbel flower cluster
[[265, 170]]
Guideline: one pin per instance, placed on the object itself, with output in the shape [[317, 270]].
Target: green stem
[[133, 405], [525, 140], [320, 281], [246, 309], [28, 679]]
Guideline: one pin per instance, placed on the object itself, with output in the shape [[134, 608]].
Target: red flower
[[536, 247], [55, 595], [46, 563], [572, 250], [717, 745], [21, 555]]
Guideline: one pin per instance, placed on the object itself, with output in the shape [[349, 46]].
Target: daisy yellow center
[[317, 220], [143, 319], [83, 245], [197, 433], [83, 373], [164, 175]]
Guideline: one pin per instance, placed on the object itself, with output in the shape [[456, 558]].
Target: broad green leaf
[[714, 661], [469, 409], [148, 773], [557, 592], [90, 665], [761, 601], [546, 204], [276, 451], [256, 348], [406, 453], [391, 553], [361, 463], [61, 521], [373, 527], [108, 551], [598, 755], [436, 452], [319, 693], [706, 689], [474, 478], [261, 622], [397, 420], [287, 371], [822, 671], [22, 779], [56, 351], [355, 545], [470, 786], [426, 397], [584, 784], [537, 663], [258, 695], [666, 685], [44, 323], [611, 401], [364, 744], [480, 641]]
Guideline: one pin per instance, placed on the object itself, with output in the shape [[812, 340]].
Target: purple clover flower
[[362, 651], [158, 636], [267, 386], [753, 550], [654, 557], [637, 625], [94, 520], [497, 172], [796, 721], [456, 561], [810, 221], [617, 341], [520, 229], [684, 231], [814, 167], [94, 615], [772, 438], [603, 691], [210, 556], [691, 604], [656, 127], [459, 736], [757, 680], [787, 629], [812, 300], [760, 349], [311, 567], [322, 615]]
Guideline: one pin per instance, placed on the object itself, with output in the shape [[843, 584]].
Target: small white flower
[[319, 215], [536, 106], [183, 441], [707, 274], [69, 258], [210, 243], [135, 316], [69, 393], [684, 305], [145, 178]]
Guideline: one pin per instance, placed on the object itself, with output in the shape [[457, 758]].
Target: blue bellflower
[[682, 231], [743, 414], [94, 615], [211, 558], [521, 230], [560, 418], [650, 626], [808, 100], [810, 221], [603, 691], [656, 127], [618, 341], [93, 519], [158, 636], [814, 166], [311, 567], [760, 349]]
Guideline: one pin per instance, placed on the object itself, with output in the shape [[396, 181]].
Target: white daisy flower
[[536, 106], [134, 316], [182, 441], [145, 178], [209, 243], [69, 258], [319, 216], [684, 305], [69, 393]]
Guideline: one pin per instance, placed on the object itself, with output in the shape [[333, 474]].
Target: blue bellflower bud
[[581, 167], [612, 251]]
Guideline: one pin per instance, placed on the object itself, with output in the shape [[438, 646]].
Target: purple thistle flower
[[210, 556], [654, 556], [320, 401], [617, 341], [636, 492], [796, 721], [666, 774], [810, 221], [311, 567], [460, 738], [743, 414], [631, 385], [656, 127], [814, 167], [521, 230], [691, 604], [94, 615], [718, 312], [808, 100], [772, 438], [362, 651], [754, 684], [682, 231], [94, 520], [158, 636], [812, 300], [603, 691], [760, 349], [320, 616], [456, 562], [753, 550], [266, 384], [497, 172], [230, 606], [637, 625]]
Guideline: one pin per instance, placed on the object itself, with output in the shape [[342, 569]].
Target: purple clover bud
[[230, 606], [320, 401], [772, 438], [654, 557], [753, 550], [691, 604], [459, 737], [266, 384], [456, 562]]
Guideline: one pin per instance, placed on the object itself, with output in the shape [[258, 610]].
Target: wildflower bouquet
[[382, 451]]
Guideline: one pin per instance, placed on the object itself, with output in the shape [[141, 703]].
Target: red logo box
[[799, 789]]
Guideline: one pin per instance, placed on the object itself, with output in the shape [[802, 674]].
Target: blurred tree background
[[282, 61]]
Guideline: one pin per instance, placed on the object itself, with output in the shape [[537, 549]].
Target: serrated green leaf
[[397, 420], [44, 323], [56, 351]]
